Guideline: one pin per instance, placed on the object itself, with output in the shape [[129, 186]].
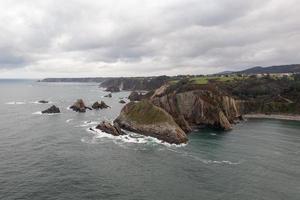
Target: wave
[[131, 137], [37, 113], [88, 123], [40, 113], [206, 161], [16, 103]]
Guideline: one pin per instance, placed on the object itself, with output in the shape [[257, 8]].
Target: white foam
[[40, 113], [131, 138], [88, 123], [69, 120], [206, 161], [16, 103], [37, 113]]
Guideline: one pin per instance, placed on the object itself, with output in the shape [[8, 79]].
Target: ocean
[[56, 156]]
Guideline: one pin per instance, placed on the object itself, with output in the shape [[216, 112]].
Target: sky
[[80, 38]]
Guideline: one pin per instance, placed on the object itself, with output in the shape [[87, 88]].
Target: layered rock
[[107, 127], [147, 119], [196, 105], [101, 105], [51, 110], [79, 106]]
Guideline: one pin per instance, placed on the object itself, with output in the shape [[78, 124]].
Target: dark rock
[[79, 106], [43, 101], [113, 89], [52, 109], [135, 96], [122, 101], [241, 118], [109, 95], [100, 105], [109, 128], [147, 119]]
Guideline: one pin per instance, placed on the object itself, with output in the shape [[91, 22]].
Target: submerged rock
[[109, 128], [43, 101], [52, 109], [113, 89], [147, 119], [122, 101], [100, 105], [79, 106]]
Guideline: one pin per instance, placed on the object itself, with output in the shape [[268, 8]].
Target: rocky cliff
[[147, 119], [192, 105], [135, 83]]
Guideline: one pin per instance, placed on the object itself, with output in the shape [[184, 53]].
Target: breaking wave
[[16, 103], [130, 138]]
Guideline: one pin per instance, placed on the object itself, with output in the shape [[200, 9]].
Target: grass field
[[204, 80]]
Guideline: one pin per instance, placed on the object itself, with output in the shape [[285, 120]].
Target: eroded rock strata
[[197, 105]]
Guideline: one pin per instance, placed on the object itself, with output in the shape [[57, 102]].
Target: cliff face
[[143, 83], [198, 107], [147, 119]]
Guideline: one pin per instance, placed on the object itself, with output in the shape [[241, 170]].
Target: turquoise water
[[56, 157]]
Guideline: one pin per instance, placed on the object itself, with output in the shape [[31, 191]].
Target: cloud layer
[[145, 37]]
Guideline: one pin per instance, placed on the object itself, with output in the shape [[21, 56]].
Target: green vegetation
[[144, 112], [205, 79]]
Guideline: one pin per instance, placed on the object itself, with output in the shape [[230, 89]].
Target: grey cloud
[[147, 37]]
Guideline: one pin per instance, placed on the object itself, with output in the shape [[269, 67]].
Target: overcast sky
[[77, 38]]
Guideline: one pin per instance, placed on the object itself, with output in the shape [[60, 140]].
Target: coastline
[[273, 116]]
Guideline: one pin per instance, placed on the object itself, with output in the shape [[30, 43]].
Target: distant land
[[294, 68]]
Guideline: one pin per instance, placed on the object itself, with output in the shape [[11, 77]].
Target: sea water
[[59, 157]]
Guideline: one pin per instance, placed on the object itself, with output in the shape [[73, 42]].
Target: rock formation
[[147, 119], [43, 101], [122, 101], [100, 105], [197, 105], [113, 89], [52, 109], [135, 96], [79, 106], [133, 83], [109, 128]]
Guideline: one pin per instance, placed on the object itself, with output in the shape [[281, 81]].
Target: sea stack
[[51, 110], [101, 105], [79, 106]]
